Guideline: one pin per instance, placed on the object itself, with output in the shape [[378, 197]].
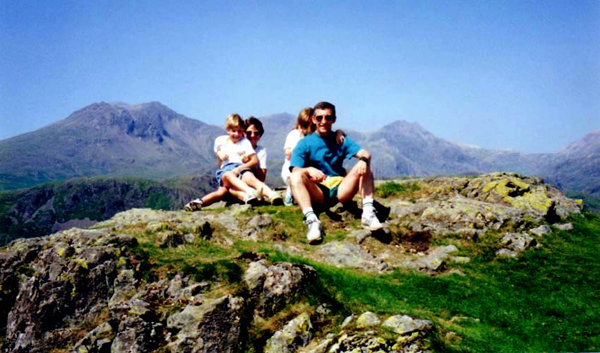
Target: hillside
[[82, 202], [492, 263]]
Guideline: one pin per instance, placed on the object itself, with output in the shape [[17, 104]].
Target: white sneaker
[[370, 222], [315, 231]]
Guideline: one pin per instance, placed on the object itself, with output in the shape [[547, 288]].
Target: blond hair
[[234, 121], [304, 122]]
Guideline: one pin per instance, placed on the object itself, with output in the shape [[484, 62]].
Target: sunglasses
[[327, 117], [252, 133]]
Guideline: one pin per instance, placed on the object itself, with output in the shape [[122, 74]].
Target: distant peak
[[140, 106]]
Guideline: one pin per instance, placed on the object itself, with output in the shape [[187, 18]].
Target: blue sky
[[523, 75]]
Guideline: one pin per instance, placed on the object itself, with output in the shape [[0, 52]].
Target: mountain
[[577, 167], [152, 141], [147, 140]]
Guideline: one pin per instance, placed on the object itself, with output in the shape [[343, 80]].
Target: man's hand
[[222, 155], [361, 168], [340, 136], [288, 153], [245, 158], [315, 175]]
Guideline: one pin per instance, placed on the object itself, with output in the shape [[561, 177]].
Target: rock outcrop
[[174, 281]]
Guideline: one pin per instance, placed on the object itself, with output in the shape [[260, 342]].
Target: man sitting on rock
[[318, 176]]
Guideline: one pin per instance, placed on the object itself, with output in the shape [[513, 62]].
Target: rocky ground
[[161, 281]]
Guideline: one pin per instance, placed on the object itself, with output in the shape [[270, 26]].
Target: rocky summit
[[218, 280]]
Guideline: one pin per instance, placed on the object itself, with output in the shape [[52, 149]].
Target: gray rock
[[347, 321], [97, 340], [349, 255], [273, 287], [565, 226], [506, 253], [405, 324], [360, 235], [297, 333], [215, 326], [434, 260], [260, 221], [189, 238], [367, 320], [541, 230], [518, 242], [169, 239]]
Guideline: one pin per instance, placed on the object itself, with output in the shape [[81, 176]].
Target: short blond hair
[[304, 122], [234, 121]]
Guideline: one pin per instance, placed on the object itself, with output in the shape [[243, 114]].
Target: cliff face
[[211, 281]]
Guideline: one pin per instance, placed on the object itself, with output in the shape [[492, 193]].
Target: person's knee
[[228, 175], [296, 179]]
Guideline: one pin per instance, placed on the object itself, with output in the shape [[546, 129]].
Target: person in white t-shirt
[[304, 126], [258, 174], [230, 150]]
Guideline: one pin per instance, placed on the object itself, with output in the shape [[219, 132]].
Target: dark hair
[[253, 121], [325, 105]]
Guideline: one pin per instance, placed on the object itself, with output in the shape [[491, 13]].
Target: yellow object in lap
[[332, 182]]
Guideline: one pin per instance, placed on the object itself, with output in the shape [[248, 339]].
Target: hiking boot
[[194, 205], [369, 221], [315, 232]]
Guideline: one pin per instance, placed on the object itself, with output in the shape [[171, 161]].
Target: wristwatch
[[365, 159]]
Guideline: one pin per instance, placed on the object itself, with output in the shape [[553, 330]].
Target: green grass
[[546, 300], [391, 188]]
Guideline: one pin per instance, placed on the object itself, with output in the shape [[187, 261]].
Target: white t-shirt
[[234, 151], [290, 142], [292, 139], [261, 154]]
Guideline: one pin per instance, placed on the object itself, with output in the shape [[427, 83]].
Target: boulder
[[367, 320], [273, 287], [296, 333], [434, 260], [541, 230], [215, 326], [341, 254], [518, 242]]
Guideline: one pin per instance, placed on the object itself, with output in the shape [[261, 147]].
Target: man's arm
[[252, 161], [311, 173]]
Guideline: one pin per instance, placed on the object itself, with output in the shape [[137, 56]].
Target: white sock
[[309, 214], [368, 207]]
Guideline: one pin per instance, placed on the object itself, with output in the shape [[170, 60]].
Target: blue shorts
[[227, 167]]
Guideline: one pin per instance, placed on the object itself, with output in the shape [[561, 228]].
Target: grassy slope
[[546, 300]]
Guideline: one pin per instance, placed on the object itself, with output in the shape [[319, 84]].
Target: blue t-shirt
[[323, 153]]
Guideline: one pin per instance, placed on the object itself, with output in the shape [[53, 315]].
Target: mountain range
[[152, 141]]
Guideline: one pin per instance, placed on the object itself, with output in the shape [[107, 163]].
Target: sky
[[521, 75]]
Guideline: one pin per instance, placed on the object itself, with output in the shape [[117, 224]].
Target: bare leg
[[240, 195], [306, 193], [214, 196], [253, 181], [231, 181], [352, 183]]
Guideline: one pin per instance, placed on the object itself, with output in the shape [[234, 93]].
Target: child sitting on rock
[[230, 149]]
